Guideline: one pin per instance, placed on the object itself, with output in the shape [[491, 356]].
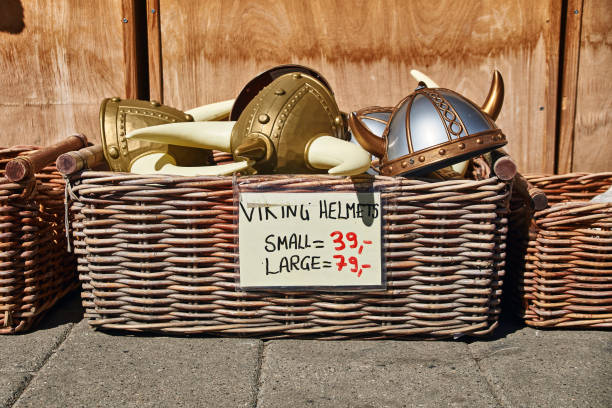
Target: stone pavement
[[66, 364]]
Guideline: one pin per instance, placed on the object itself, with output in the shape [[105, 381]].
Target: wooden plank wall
[[585, 142], [58, 59], [211, 49]]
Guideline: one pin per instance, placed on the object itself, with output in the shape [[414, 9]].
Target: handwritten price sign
[[310, 241]]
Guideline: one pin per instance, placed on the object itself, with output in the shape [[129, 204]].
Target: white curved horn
[[212, 111], [421, 77], [163, 163], [206, 135], [337, 155]]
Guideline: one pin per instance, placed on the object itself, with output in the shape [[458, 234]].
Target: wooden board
[[592, 150], [569, 85], [57, 61], [366, 49]]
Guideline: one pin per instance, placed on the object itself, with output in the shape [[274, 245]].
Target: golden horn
[[495, 99], [366, 139]]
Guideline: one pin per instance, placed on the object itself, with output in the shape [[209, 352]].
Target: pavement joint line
[[13, 399], [257, 380], [33, 373], [501, 400]]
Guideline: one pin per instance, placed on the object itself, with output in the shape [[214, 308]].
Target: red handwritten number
[[341, 264], [338, 240], [353, 261], [353, 242], [352, 237]]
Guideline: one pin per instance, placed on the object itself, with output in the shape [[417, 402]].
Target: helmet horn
[[337, 155], [366, 139], [495, 99], [209, 135]]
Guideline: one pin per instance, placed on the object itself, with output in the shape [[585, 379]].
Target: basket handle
[[87, 157], [536, 197], [503, 166], [25, 167]]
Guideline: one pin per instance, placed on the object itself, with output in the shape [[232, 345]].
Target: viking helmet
[[291, 125], [434, 128], [119, 117]]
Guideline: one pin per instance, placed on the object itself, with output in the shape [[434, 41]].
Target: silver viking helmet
[[434, 128]]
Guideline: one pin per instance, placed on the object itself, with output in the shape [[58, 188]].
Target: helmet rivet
[[404, 163], [263, 118], [421, 158], [479, 141], [461, 146], [279, 92], [442, 152], [113, 152], [115, 99], [155, 103], [338, 120], [297, 75], [411, 161]]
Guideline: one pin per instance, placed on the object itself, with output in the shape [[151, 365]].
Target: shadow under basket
[[35, 268], [560, 263], [160, 254]]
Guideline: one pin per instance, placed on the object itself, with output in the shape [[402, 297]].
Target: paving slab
[[11, 385], [371, 374], [22, 355], [27, 352], [549, 368], [97, 369]]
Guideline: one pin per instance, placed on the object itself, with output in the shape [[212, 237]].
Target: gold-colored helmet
[[285, 120], [277, 126], [119, 117]]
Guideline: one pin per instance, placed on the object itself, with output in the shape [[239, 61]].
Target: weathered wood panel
[[592, 150], [366, 50], [154, 51], [58, 59], [569, 85]]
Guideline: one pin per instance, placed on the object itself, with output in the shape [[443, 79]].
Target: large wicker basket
[[158, 253], [565, 277], [35, 268]]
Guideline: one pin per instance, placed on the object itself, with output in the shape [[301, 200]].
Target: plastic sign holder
[[310, 241]]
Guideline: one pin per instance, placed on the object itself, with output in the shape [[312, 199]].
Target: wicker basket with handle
[[35, 268], [160, 254], [565, 279]]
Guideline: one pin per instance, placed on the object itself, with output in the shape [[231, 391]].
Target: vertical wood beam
[[156, 90], [551, 89], [569, 85], [128, 21]]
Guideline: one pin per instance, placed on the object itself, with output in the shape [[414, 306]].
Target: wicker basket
[[565, 279], [35, 268], [158, 253]]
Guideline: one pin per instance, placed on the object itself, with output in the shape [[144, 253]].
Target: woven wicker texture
[[566, 276], [35, 269], [161, 255]]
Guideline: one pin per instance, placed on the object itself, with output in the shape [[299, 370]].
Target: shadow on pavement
[[68, 310]]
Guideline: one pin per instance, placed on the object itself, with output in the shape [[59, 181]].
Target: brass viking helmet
[[290, 124], [119, 117], [433, 128]]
